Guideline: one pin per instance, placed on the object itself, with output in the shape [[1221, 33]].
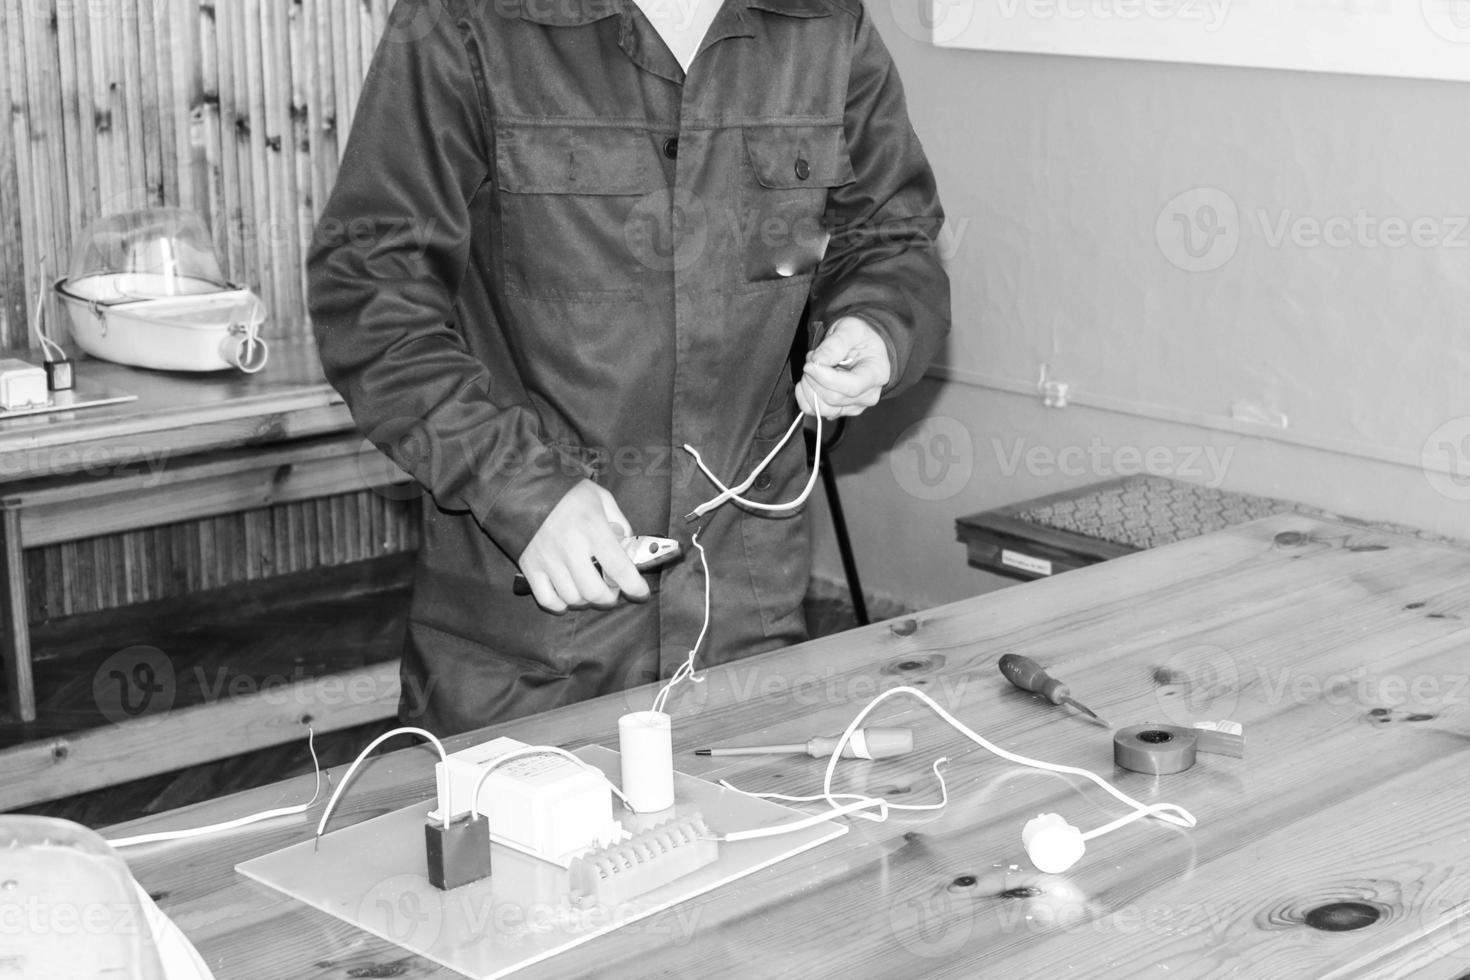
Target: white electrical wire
[[686, 669], [521, 753], [860, 803], [50, 349], [215, 828], [734, 493], [1167, 812], [352, 770]]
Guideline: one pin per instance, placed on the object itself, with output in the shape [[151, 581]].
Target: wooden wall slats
[[119, 569], [237, 109], [234, 109]]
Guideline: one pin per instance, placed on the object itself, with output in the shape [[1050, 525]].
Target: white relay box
[[542, 804], [21, 385]]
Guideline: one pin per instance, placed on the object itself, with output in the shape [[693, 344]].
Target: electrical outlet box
[[545, 805], [21, 385]]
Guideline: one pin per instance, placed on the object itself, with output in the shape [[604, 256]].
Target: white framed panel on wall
[[1406, 38]]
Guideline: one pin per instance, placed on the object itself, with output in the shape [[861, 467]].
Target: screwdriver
[[1028, 675], [866, 743]]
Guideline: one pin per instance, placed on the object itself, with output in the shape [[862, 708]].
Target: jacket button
[[671, 147], [803, 169], [763, 482]]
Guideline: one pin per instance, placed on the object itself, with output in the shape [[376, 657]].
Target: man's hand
[[846, 372], [585, 524]]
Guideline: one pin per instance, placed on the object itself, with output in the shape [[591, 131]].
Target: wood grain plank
[[1340, 650], [74, 764]]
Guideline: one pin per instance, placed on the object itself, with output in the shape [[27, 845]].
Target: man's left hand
[[846, 372]]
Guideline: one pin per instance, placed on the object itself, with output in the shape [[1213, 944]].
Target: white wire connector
[[352, 771], [216, 828]]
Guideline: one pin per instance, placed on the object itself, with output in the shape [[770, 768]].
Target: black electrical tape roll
[[1155, 749]]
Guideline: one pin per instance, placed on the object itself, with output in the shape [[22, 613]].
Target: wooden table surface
[[1339, 847], [176, 413]]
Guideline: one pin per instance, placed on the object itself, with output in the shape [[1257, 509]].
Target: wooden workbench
[[1338, 847], [190, 446], [175, 414]]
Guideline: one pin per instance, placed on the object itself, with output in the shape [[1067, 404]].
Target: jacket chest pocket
[[569, 206], [790, 171]]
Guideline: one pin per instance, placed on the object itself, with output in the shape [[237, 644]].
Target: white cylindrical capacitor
[[646, 743]]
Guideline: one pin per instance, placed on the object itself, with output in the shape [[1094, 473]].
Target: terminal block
[[610, 876]]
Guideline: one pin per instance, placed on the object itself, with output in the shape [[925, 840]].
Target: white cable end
[[1052, 844]]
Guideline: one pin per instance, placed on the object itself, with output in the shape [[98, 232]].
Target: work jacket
[[549, 255]]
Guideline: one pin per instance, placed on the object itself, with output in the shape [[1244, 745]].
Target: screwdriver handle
[[1028, 675], [866, 743]]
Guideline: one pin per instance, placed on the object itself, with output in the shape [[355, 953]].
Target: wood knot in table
[[1337, 908], [398, 968], [904, 627], [911, 666], [1389, 716]]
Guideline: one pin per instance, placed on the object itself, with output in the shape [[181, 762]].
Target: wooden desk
[[1339, 847], [175, 414], [107, 468]]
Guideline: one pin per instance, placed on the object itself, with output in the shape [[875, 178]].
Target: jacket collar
[[573, 13]]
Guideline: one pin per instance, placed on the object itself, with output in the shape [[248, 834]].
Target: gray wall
[[1320, 354]]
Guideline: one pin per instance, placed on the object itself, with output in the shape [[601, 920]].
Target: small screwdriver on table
[[866, 743], [1028, 675]]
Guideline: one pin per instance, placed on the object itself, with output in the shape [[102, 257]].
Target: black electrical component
[[459, 853]]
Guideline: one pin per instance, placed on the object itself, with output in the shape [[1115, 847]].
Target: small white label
[[1037, 566]]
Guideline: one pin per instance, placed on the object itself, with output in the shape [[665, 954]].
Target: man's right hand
[[585, 524]]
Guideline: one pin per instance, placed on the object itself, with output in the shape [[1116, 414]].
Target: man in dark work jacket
[[551, 260]]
